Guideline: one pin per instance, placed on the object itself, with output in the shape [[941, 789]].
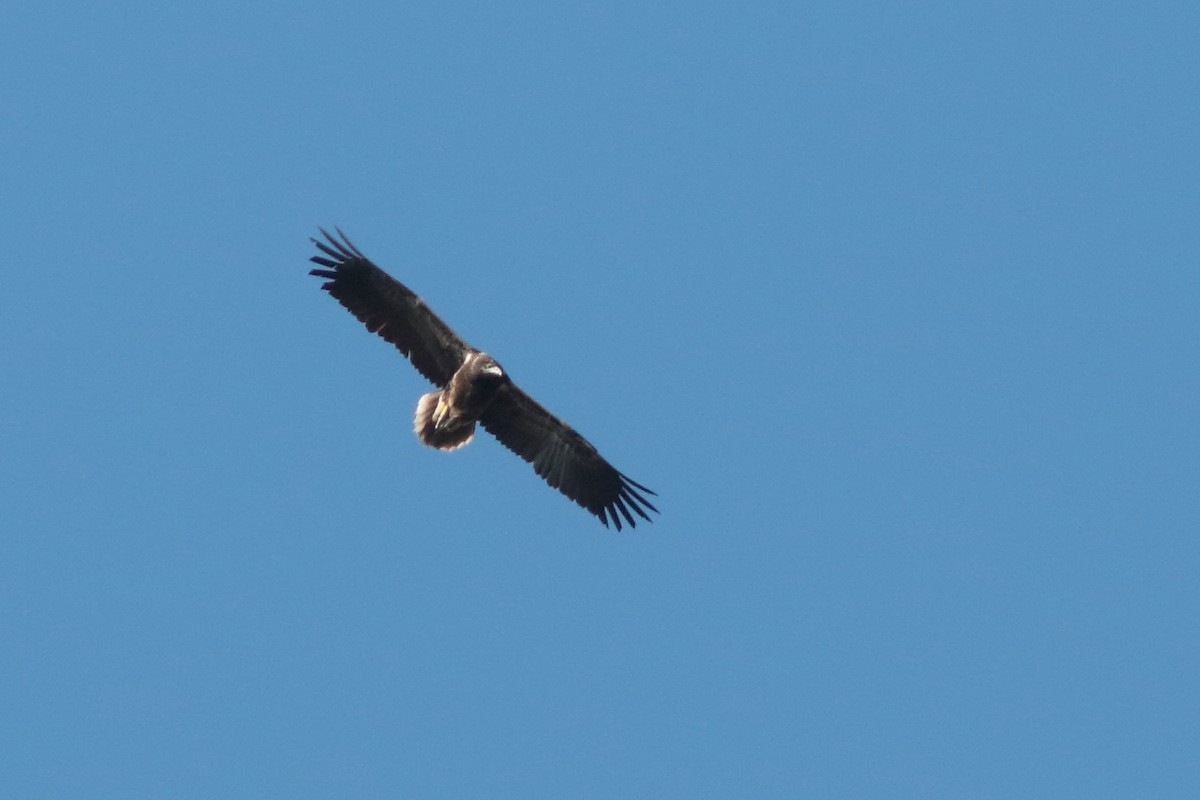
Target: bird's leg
[[441, 413]]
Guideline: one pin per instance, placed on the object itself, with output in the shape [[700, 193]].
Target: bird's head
[[489, 370]]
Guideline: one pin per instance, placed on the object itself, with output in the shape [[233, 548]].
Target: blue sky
[[895, 306]]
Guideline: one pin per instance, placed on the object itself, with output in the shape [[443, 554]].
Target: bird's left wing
[[389, 308], [563, 458]]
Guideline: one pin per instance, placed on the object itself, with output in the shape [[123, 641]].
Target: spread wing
[[389, 308], [563, 458]]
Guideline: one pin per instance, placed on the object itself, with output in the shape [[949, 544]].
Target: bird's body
[[446, 419], [473, 389]]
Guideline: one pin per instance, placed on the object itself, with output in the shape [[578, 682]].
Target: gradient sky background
[[895, 305]]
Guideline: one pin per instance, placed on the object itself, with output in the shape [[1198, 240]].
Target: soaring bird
[[473, 388]]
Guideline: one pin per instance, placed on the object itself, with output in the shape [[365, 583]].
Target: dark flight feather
[[390, 309], [563, 458]]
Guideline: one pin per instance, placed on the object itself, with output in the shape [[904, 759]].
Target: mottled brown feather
[[563, 458], [389, 309]]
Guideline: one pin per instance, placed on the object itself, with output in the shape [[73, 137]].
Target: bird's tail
[[449, 437]]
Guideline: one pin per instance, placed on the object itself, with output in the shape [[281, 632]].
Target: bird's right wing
[[389, 309]]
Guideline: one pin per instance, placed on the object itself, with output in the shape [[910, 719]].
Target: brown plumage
[[473, 388]]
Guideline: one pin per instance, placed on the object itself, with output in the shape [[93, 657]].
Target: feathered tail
[[448, 438]]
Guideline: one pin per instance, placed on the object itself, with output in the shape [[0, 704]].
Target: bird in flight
[[473, 388]]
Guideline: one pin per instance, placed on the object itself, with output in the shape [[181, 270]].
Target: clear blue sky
[[895, 305]]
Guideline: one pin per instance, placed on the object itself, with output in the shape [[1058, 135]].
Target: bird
[[472, 388]]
